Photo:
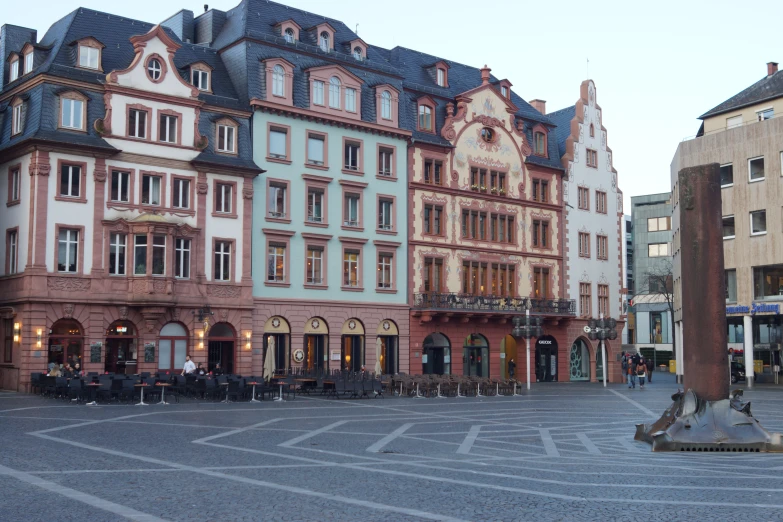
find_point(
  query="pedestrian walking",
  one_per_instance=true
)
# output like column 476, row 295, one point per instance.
column 641, row 372
column 631, row 374
column 626, row 362
column 650, row 368
column 512, row 368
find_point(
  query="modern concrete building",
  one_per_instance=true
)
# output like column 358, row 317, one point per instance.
column 652, row 265
column 628, row 335
column 744, row 135
column 593, row 230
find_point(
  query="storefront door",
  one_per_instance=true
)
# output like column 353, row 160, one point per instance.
column 546, row 359
column 221, row 348
column 436, row 355
column 352, row 353
column 314, row 353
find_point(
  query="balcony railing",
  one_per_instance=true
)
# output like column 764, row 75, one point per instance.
column 492, row 303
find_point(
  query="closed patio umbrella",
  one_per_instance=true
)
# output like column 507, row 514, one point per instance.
column 269, row 360
column 377, row 356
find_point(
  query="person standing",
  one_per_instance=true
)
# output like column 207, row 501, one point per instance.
column 512, row 369
column 641, row 372
column 189, row 366
column 650, row 368
column 625, row 367
column 631, row 373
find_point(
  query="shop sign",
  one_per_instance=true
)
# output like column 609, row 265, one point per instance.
column 755, row 308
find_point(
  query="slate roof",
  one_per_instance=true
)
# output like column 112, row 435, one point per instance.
column 562, row 119
column 768, row 88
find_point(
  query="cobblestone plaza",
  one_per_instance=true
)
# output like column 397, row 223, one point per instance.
column 561, row 452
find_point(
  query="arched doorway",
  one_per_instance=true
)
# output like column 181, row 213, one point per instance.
column 221, row 347
column 436, row 355
column 508, row 351
column 579, row 361
column 546, row 359
column 475, row 356
column 390, row 357
column 352, row 346
column 172, row 347
column 277, row 334
column 66, row 342
column 313, row 357
column 121, row 348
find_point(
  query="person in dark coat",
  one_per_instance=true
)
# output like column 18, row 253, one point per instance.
column 218, row 370
column 512, row 368
column 650, row 368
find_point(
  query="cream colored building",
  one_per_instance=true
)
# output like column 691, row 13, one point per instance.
column 745, row 136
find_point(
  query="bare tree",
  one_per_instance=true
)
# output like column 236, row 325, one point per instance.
column 658, row 282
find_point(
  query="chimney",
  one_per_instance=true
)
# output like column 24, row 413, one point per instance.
column 485, row 75
column 539, row 105
column 772, row 68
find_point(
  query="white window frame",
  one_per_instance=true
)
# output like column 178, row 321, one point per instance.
column 137, row 247
column 315, row 256
column 318, row 92
column 152, row 190
column 761, row 233
column 323, row 41
column 16, row 184
column 222, row 261
column 760, row 114
column 70, row 242
column 88, row 55
column 310, row 159
column 288, row 35
column 76, row 120
column 315, row 199
column 284, row 136
column 386, row 105
column 14, row 72
column 78, row 173
column 17, row 119
column 183, row 193
column 732, row 173
column 122, row 181
column 140, row 129
column 350, row 99
column 167, row 137
column 441, row 77
column 351, row 217
column 353, row 151
column 278, row 81
column 335, row 85
column 276, row 190
column 223, row 198
column 13, row 252
column 386, row 162
column 227, row 142
column 351, row 264
column 504, row 91
column 182, row 258
column 202, row 84
column 358, row 54
column 275, row 251
column 385, row 268
column 385, row 214
column 750, row 173
column 118, row 242
column 154, row 69
column 736, row 118
column 28, row 62
column 735, row 226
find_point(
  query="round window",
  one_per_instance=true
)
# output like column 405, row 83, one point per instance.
column 154, row 69
column 487, row 135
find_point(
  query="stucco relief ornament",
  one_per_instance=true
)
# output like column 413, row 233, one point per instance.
column 459, row 159
column 454, row 175
column 159, row 287
column 123, row 312
column 386, row 325
column 247, row 193
column 202, row 187
column 591, row 94
column 39, row 168
column 67, row 311
column 521, row 190
column 315, row 324
column 352, row 325
column 140, row 287
column 224, row 315
column 68, row 284
column 602, row 280
column 276, row 322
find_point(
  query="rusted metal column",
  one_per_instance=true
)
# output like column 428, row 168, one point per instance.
column 703, row 283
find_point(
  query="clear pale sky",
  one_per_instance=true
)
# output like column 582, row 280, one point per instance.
column 657, row 65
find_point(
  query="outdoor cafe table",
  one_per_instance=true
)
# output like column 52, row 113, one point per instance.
column 281, row 381
column 307, row 384
column 93, row 386
column 253, row 397
column 330, row 386
column 163, row 386
column 142, row 385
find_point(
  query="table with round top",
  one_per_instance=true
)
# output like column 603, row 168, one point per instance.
column 307, row 383
column 253, row 396
column 281, row 382
column 93, row 386
column 142, row 385
column 163, row 386
column 226, row 385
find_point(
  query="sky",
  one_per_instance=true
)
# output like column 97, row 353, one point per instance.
column 657, row 66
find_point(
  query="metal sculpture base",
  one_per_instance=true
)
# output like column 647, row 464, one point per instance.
column 694, row 424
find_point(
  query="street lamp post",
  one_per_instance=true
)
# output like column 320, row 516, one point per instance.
column 603, row 328
column 531, row 327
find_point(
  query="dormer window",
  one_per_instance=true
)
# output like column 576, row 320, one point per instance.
column 17, row 124
column 226, row 136
column 199, row 77
column 441, row 77
column 289, row 35
column 357, row 53
column 154, row 69
column 386, row 105
column 426, row 111
column 14, row 71
column 88, row 57
column 278, row 80
column 539, row 139
column 28, row 62
column 73, row 111
column 504, row 91
column 323, row 41
column 334, row 92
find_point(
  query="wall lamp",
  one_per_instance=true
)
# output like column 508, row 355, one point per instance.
column 17, row 331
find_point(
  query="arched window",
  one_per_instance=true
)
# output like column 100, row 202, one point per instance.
column 386, row 105
column 172, row 347
column 357, row 53
column 539, row 139
column 66, row 342
column 278, row 80
column 592, row 131
column 289, row 35
column 334, row 92
column 323, row 42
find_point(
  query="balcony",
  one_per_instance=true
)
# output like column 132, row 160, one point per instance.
column 492, row 304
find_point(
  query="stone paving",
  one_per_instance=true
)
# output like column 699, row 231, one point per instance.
column 561, row 452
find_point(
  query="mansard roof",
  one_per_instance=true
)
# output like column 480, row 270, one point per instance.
column 768, row 88
column 562, row 118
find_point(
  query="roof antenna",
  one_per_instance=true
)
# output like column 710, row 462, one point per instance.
column 357, row 30
column 206, row 7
